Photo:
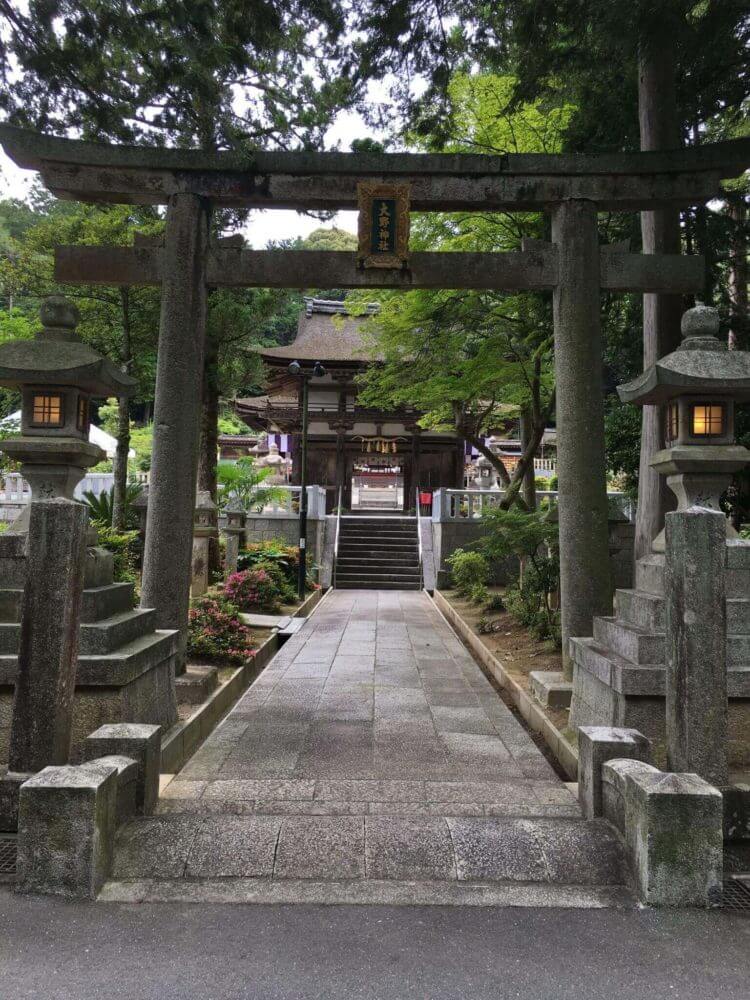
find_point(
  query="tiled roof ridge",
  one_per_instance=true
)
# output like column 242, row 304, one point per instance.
column 334, row 306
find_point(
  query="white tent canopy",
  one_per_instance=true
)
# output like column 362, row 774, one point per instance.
column 96, row 435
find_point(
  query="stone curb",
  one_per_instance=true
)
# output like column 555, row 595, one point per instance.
column 565, row 753
column 185, row 738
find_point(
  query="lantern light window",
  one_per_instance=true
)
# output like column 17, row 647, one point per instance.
column 82, row 423
column 707, row 420
column 47, row 410
column 673, row 421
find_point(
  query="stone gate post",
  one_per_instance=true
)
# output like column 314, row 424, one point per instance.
column 696, row 643
column 179, row 376
column 581, row 469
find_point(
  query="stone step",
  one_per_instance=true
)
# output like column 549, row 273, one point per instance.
column 387, row 562
column 10, row 604
column 462, row 852
column 641, row 647
column 109, row 634
column 97, row 637
column 110, row 669
column 649, row 571
column 351, row 523
column 379, row 584
column 617, row 672
column 381, row 532
column 648, row 611
column 376, row 539
column 738, row 615
column 197, row 683
column 97, row 603
column 372, row 577
column 374, row 545
column 649, row 575
column 102, row 602
column 12, row 560
column 631, row 642
column 130, row 660
column 641, row 608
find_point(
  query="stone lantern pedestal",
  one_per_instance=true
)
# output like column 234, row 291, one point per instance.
column 74, row 653
column 620, row 676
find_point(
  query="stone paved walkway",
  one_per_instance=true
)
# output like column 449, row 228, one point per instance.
column 371, row 761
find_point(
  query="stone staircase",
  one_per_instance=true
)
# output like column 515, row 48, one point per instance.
column 125, row 664
column 378, row 553
column 620, row 679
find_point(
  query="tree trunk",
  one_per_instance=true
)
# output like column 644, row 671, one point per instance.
column 209, row 447
column 529, row 479
column 660, row 129
column 738, row 273
column 120, row 485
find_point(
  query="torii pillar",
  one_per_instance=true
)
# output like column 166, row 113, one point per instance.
column 177, row 406
column 585, row 585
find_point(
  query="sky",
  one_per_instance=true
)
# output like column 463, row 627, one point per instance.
column 262, row 226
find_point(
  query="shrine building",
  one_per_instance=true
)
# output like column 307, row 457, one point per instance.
column 376, row 458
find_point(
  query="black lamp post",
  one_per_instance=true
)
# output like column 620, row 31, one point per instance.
column 318, row 371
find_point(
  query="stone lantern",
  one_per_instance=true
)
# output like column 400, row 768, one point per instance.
column 204, row 529
column 58, row 375
column 700, row 383
column 234, row 531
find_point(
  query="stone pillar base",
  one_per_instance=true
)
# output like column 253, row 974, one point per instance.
column 10, row 786
column 551, row 688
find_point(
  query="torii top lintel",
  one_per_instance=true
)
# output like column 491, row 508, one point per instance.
column 439, row 182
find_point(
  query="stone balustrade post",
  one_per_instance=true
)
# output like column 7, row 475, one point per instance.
column 696, row 643
column 42, row 715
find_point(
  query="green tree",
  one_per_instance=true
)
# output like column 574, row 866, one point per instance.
column 470, row 360
column 120, row 322
column 230, row 74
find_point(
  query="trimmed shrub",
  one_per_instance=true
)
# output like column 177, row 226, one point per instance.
column 286, row 557
column 261, row 588
column 126, row 549
column 216, row 634
column 468, row 569
column 479, row 594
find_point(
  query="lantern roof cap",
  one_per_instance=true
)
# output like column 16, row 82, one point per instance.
column 57, row 356
column 702, row 364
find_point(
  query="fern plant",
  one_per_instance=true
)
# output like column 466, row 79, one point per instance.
column 101, row 506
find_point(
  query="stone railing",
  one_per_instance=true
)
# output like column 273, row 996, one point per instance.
column 15, row 490
column 546, row 465
column 670, row 825
column 285, row 503
column 471, row 505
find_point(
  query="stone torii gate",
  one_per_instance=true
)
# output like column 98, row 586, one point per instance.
column 572, row 189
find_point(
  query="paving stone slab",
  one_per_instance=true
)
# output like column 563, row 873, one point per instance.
column 504, row 850
column 154, row 847
column 404, row 848
column 581, row 853
column 330, row 847
column 371, row 791
column 234, row 847
column 258, row 789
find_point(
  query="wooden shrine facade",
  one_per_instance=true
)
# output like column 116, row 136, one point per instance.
column 344, row 437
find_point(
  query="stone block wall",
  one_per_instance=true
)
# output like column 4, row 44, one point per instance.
column 260, row 528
